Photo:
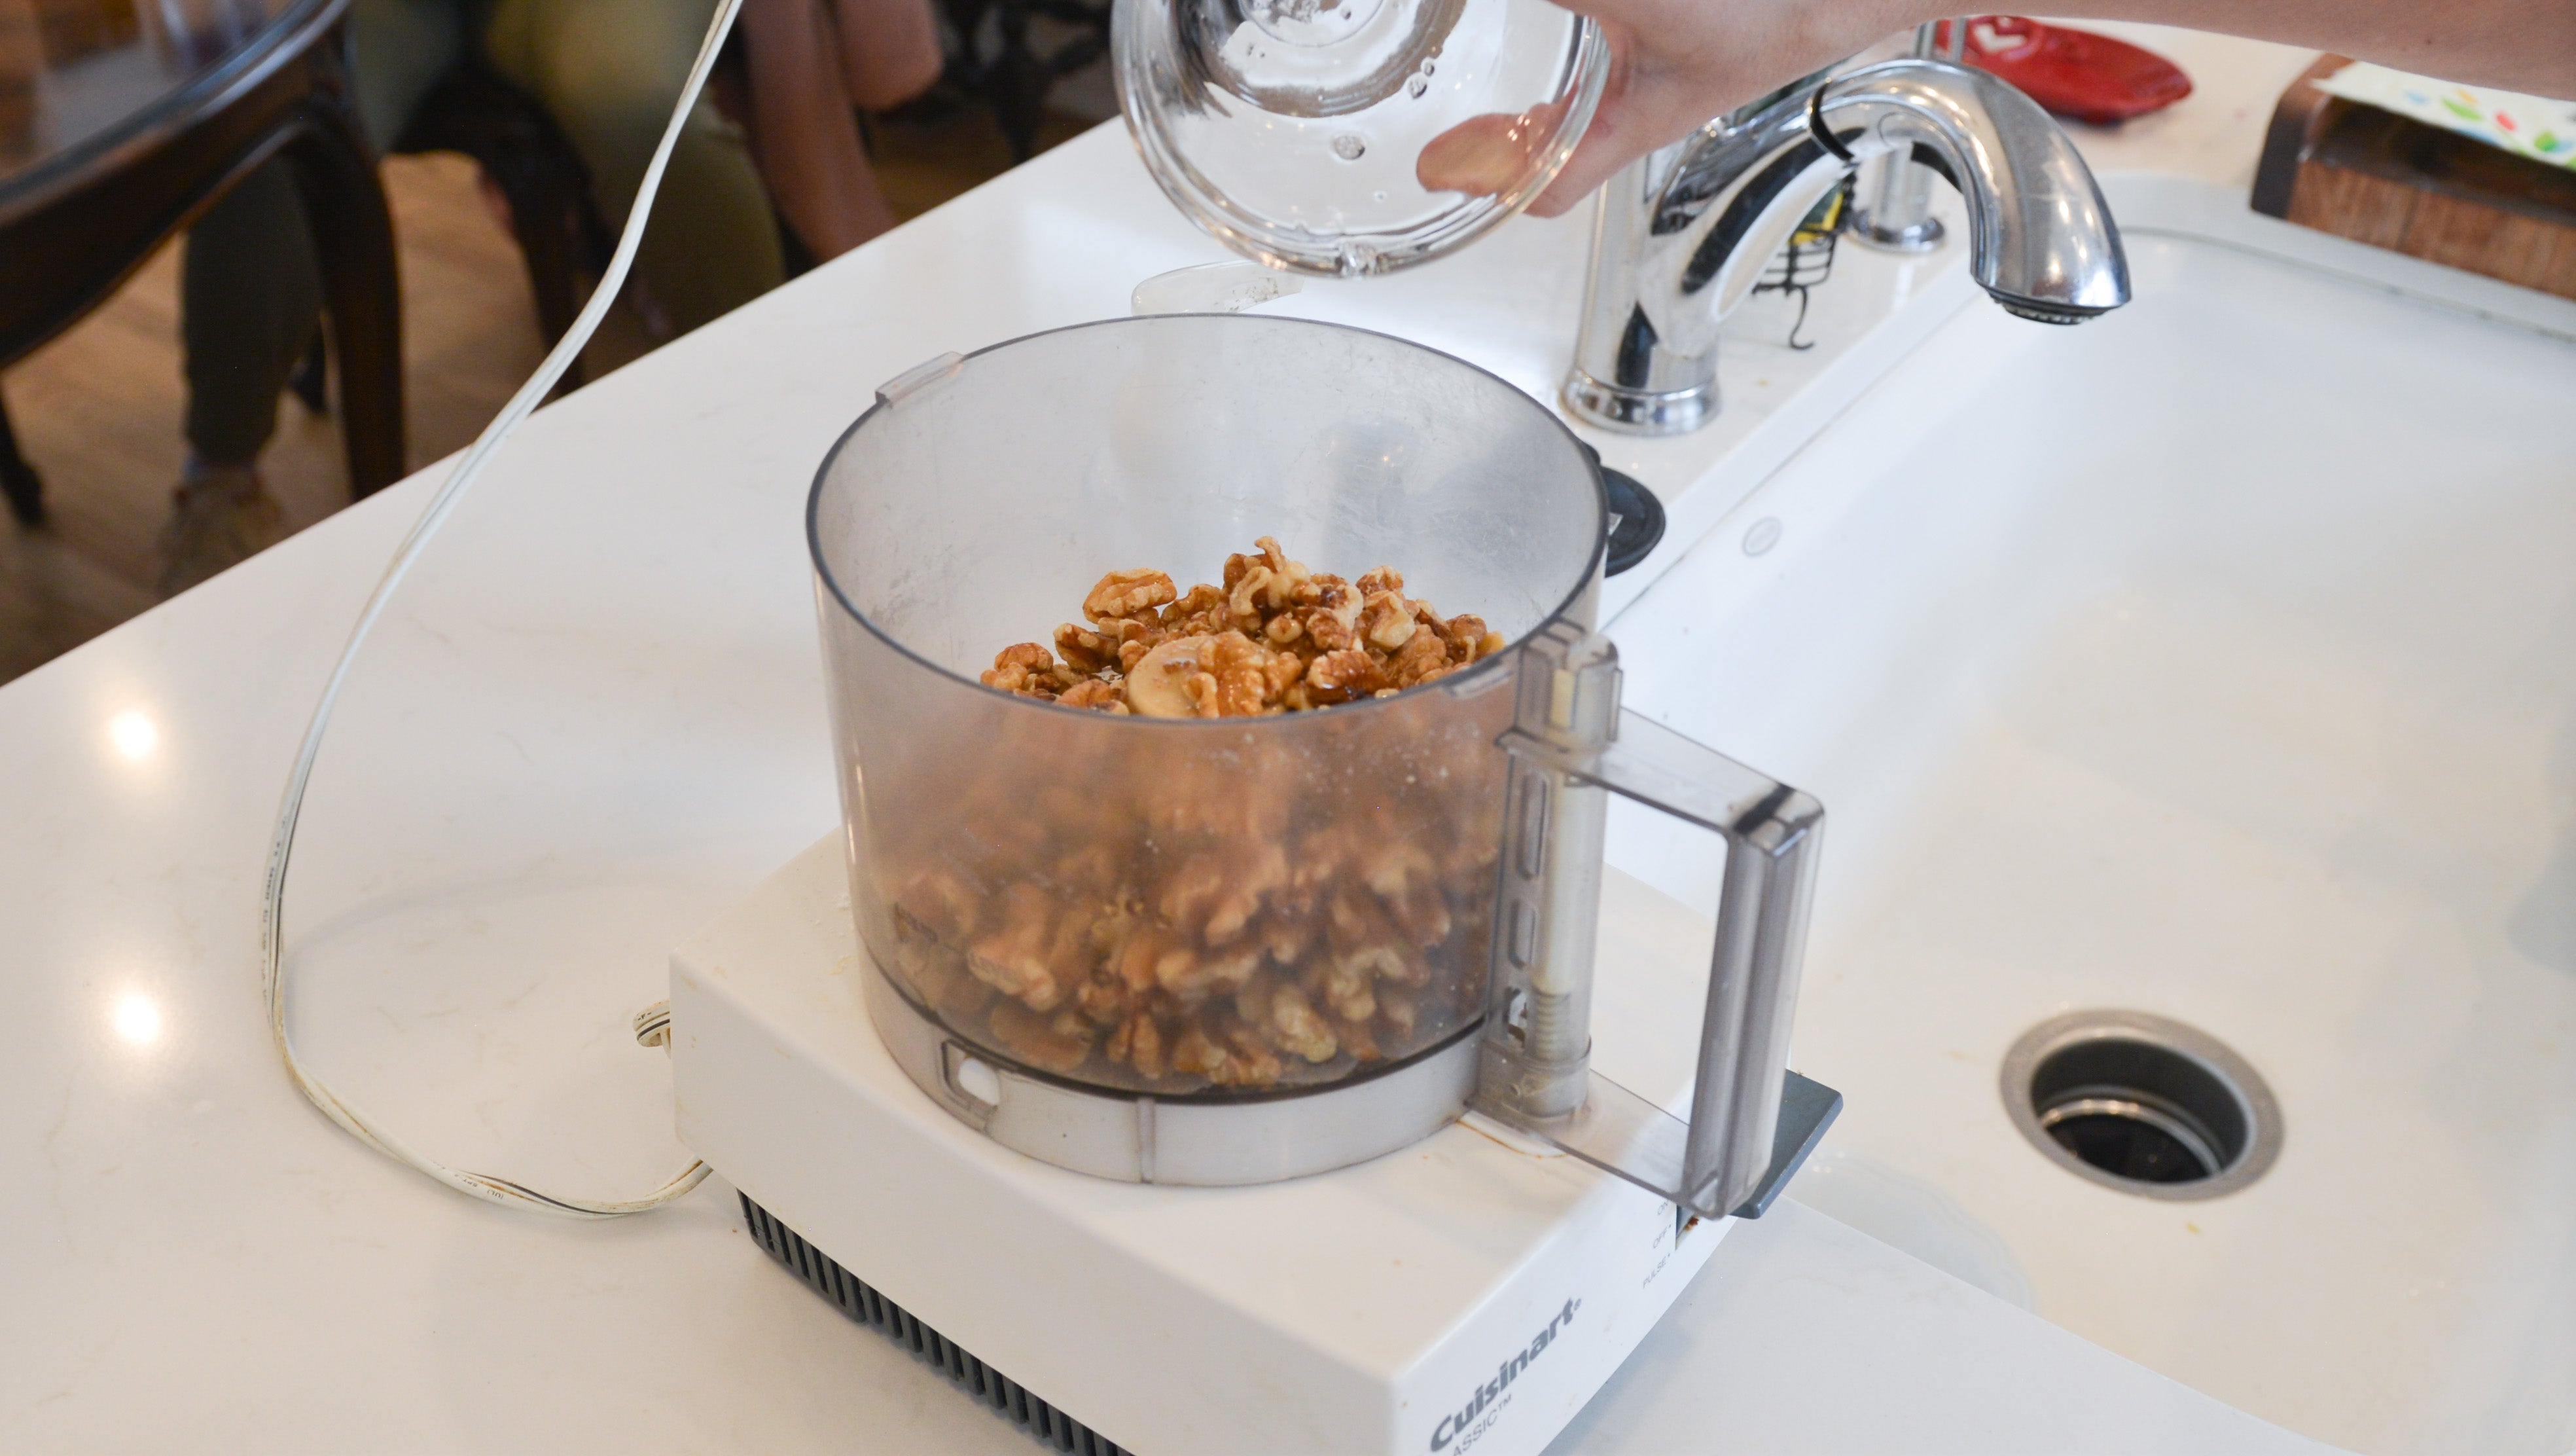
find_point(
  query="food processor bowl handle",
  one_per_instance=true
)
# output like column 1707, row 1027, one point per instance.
column 1570, row 746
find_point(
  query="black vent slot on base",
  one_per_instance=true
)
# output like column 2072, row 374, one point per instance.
column 853, row 1297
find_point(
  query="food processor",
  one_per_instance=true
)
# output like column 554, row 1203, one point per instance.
column 1243, row 1082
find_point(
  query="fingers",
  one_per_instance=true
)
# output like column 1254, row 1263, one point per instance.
column 1627, row 16
column 1606, row 147
column 1485, row 154
column 1641, row 109
column 1674, row 64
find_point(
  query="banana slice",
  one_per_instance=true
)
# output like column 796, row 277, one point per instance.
column 1159, row 684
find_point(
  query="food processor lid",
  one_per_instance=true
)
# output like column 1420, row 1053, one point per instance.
column 1350, row 137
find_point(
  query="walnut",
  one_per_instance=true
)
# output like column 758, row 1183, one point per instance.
column 1339, row 677
column 1360, row 1041
column 1328, row 623
column 1384, row 579
column 1244, row 597
column 1204, row 610
column 1022, row 668
column 1245, row 684
column 1220, row 895
column 1290, row 572
column 941, row 903
column 1385, row 621
column 1347, row 987
column 1251, row 1063
column 1422, row 656
column 1148, row 958
column 1102, row 695
column 1461, row 634
column 1105, row 999
column 1286, row 670
column 1021, row 956
column 1084, row 649
column 1286, row 937
column 1138, row 1042
column 1422, row 913
column 1192, row 976
column 1299, row 1029
column 967, row 999
column 1058, row 1044
column 1392, row 864
column 1197, row 1054
column 1130, row 593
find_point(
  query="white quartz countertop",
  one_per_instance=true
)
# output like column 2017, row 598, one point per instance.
column 595, row 720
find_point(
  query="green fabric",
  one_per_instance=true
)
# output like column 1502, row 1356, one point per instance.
column 606, row 70
column 250, row 291
column 249, row 296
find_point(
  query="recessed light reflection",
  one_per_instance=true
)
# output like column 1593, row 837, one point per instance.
column 134, row 735
column 137, row 1020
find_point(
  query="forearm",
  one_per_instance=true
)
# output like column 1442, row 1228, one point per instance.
column 1678, row 62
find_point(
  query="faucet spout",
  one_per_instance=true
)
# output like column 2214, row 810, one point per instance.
column 1681, row 237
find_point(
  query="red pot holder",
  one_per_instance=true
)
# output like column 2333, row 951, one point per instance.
column 2075, row 73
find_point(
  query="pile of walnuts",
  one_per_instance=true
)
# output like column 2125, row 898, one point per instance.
column 1249, row 908
column 1275, row 638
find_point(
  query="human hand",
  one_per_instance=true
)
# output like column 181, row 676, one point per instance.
column 1676, row 63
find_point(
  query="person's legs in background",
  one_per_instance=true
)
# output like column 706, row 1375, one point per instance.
column 250, row 297
column 609, row 71
column 814, row 64
column 889, row 50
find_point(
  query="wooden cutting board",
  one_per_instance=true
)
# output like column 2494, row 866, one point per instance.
column 2378, row 178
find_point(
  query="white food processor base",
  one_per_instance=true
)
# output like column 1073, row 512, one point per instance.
column 1468, row 1292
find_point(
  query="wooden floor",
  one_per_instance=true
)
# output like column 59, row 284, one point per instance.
column 98, row 410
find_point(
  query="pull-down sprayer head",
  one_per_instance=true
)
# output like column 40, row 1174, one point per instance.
column 1683, row 235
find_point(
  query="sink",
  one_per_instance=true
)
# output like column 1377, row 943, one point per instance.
column 2215, row 661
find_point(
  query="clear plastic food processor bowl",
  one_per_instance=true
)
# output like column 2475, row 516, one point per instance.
column 1086, row 903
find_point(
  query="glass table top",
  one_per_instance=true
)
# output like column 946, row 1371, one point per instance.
column 80, row 77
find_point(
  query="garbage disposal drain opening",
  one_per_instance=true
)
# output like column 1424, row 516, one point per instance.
column 2143, row 1104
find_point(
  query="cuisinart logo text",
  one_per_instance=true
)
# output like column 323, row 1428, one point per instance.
column 1463, row 1426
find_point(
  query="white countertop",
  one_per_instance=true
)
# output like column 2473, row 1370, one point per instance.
column 594, row 721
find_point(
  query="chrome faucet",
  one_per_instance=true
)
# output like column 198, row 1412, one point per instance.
column 1682, row 236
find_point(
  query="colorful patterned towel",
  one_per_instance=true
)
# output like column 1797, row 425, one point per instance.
column 2527, row 126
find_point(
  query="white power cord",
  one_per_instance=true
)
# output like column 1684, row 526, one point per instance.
column 273, row 908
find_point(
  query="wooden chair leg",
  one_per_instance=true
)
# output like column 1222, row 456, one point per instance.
column 25, row 489
column 353, row 236
column 542, row 214
column 552, row 215
column 1018, row 84
column 312, row 379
